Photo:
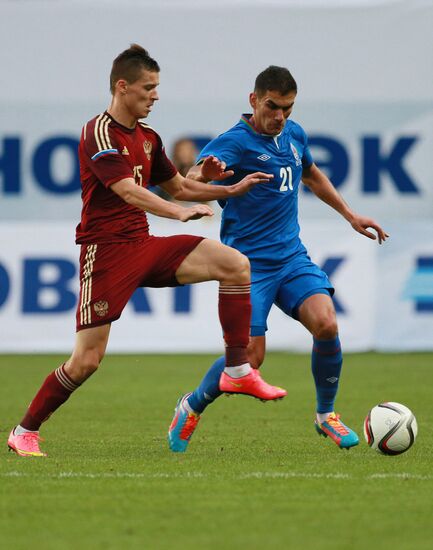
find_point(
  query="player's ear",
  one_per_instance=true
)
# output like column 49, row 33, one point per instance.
column 253, row 100
column 121, row 86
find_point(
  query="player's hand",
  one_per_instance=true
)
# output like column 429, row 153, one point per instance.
column 248, row 182
column 195, row 212
column 213, row 169
column 362, row 224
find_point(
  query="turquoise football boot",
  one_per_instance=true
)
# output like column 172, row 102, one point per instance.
column 341, row 434
column 182, row 426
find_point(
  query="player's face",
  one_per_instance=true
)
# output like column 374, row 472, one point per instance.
column 140, row 96
column 271, row 111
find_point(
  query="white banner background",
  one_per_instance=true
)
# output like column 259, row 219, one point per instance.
column 398, row 324
column 166, row 331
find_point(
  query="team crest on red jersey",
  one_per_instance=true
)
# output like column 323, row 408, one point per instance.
column 147, row 146
column 101, row 308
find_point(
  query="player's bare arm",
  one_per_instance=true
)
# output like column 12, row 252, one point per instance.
column 187, row 189
column 140, row 197
column 209, row 169
column 322, row 187
column 195, row 173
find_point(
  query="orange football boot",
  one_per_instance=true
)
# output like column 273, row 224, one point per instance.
column 251, row 384
column 25, row 444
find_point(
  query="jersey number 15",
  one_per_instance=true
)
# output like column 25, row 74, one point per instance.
column 137, row 175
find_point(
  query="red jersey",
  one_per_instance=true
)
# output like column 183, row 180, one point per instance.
column 109, row 152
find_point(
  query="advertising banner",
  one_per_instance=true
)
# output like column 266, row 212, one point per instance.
column 404, row 309
column 39, row 290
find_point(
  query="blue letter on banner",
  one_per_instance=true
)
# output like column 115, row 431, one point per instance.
column 34, row 285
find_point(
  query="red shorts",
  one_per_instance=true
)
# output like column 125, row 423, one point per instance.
column 110, row 273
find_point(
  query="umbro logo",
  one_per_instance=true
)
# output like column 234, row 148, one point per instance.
column 332, row 380
column 264, row 157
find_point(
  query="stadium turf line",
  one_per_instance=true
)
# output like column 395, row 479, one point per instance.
column 255, row 476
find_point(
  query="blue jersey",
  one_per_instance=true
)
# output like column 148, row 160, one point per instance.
column 263, row 223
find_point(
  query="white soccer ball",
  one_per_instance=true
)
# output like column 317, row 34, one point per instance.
column 390, row 428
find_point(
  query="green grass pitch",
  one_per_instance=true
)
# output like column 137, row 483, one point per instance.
column 256, row 476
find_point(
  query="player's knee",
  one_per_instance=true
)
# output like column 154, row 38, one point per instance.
column 326, row 328
column 237, row 269
column 84, row 365
column 92, row 360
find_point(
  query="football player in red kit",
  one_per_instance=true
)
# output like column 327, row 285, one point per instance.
column 119, row 157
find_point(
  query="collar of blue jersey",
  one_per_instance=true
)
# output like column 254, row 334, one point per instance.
column 246, row 119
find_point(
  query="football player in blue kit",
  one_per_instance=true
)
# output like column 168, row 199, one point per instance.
column 263, row 225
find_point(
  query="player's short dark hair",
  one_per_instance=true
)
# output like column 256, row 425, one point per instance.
column 129, row 64
column 275, row 79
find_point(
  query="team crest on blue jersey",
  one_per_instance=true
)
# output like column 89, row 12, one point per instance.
column 296, row 155
column 264, row 157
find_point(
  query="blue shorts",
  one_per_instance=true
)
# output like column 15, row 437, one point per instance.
column 287, row 288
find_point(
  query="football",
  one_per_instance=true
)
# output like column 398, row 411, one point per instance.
column 390, row 428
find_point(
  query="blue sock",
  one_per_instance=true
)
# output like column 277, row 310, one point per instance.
column 326, row 362
column 208, row 390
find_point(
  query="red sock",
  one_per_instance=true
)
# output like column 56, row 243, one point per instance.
column 234, row 309
column 55, row 390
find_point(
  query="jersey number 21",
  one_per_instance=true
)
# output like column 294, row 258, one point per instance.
column 286, row 179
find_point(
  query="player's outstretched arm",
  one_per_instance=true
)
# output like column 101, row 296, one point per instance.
column 210, row 169
column 362, row 224
column 149, row 202
column 186, row 189
column 322, row 187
